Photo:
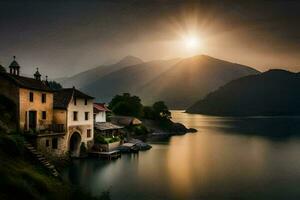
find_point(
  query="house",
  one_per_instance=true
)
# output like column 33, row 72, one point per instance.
column 74, row 109
column 32, row 97
column 106, row 129
column 57, row 122
column 100, row 112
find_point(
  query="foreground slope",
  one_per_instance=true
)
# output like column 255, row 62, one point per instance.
column 275, row 92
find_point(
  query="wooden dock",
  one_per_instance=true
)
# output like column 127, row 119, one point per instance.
column 111, row 155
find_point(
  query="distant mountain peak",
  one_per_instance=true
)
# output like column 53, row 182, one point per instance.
column 130, row 60
column 278, row 71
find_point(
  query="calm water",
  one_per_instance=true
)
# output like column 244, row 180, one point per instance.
column 227, row 159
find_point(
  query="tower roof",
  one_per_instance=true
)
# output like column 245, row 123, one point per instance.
column 14, row 64
column 37, row 73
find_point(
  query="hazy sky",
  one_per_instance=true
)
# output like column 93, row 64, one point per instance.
column 66, row 37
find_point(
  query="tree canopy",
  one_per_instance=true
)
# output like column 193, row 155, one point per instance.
column 158, row 111
column 54, row 85
column 126, row 105
column 161, row 111
column 131, row 106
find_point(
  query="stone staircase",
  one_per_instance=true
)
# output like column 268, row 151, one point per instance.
column 41, row 159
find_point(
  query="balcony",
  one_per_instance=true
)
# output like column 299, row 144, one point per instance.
column 51, row 129
column 56, row 128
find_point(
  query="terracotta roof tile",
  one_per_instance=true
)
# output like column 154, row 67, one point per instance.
column 100, row 107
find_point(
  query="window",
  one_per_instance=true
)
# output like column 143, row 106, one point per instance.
column 86, row 115
column 44, row 115
column 75, row 101
column 88, row 133
column 43, row 98
column 47, row 143
column 54, row 143
column 31, row 96
column 75, row 116
column 85, row 101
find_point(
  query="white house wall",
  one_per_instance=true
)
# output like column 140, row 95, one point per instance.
column 81, row 124
column 100, row 117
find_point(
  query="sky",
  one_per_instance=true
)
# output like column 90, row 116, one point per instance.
column 64, row 37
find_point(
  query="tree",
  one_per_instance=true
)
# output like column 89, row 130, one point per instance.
column 148, row 112
column 126, row 105
column 54, row 85
column 161, row 111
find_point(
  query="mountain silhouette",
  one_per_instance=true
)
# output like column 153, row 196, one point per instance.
column 192, row 78
column 178, row 82
column 86, row 77
column 275, row 92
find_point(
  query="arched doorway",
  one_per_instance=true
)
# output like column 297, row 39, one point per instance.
column 74, row 145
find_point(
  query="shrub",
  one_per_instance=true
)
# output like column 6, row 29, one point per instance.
column 114, row 139
column 100, row 139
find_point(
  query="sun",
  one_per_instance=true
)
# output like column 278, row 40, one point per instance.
column 192, row 42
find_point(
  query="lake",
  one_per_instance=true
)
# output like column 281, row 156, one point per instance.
column 228, row 158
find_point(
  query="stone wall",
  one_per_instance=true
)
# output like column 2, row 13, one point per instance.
column 82, row 130
column 111, row 146
column 44, row 144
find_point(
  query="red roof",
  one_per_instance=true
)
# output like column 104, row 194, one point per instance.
column 100, row 107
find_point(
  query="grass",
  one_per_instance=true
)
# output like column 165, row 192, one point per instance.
column 22, row 178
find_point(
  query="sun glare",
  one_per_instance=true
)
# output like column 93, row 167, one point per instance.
column 191, row 42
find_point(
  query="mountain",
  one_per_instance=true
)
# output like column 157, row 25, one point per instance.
column 128, row 79
column 275, row 92
column 190, row 79
column 178, row 82
column 84, row 78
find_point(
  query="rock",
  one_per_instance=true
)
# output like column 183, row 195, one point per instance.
column 192, row 130
column 143, row 146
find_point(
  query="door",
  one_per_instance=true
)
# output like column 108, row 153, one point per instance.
column 32, row 120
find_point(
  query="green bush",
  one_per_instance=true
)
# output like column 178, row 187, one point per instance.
column 100, row 139
column 106, row 140
column 114, row 139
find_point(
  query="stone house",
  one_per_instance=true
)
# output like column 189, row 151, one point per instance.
column 74, row 109
column 32, row 97
column 56, row 121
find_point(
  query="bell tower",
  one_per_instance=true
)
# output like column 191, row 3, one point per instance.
column 37, row 75
column 14, row 67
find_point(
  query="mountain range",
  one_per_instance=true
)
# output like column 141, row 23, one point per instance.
column 275, row 92
column 82, row 79
column 178, row 82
